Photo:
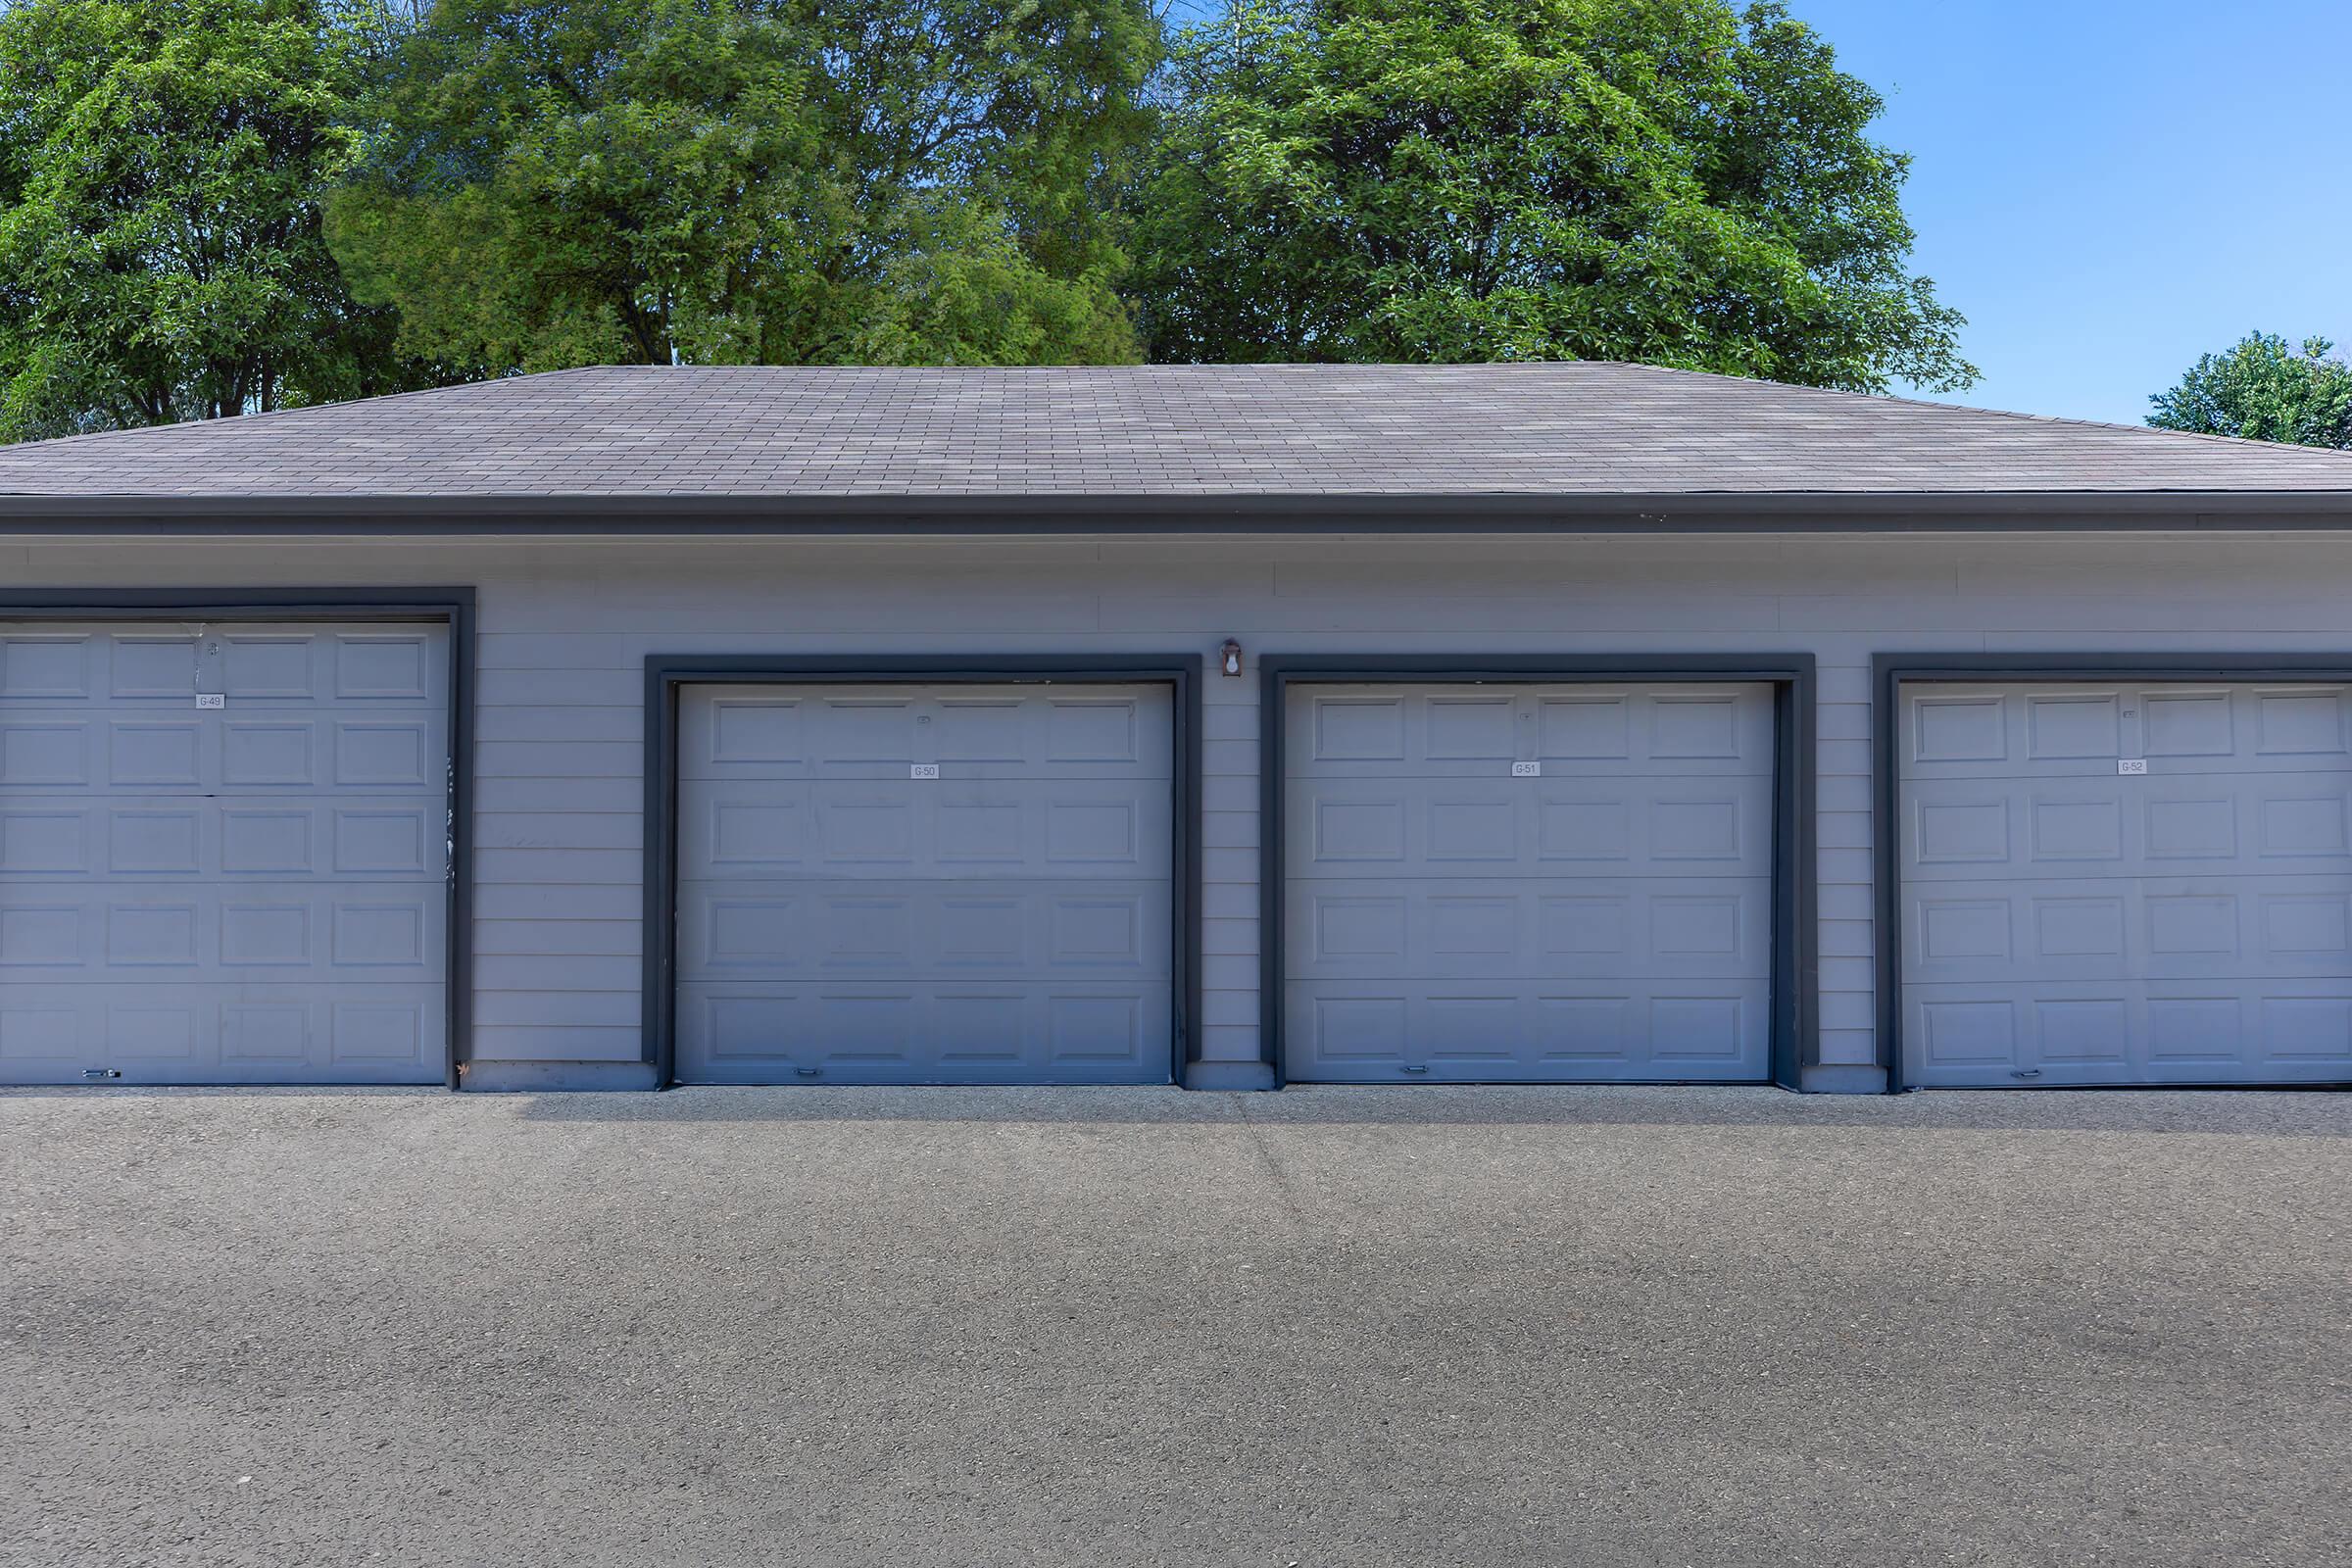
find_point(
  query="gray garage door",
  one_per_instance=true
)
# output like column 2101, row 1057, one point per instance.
column 2117, row 884
column 1530, row 883
column 224, row 852
column 896, row 884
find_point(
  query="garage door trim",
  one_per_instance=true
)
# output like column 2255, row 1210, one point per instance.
column 1892, row 673
column 452, row 606
column 1795, row 971
column 666, row 673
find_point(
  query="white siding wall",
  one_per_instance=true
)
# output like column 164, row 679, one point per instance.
column 564, row 628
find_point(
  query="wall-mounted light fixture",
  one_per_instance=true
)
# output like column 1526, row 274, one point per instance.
column 1231, row 655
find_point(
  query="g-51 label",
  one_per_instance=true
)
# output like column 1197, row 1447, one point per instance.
column 1527, row 770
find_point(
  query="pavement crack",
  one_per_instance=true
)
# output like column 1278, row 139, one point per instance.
column 1277, row 1177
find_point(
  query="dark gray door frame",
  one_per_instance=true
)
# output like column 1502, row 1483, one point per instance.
column 1892, row 673
column 454, row 606
column 665, row 673
column 1795, row 970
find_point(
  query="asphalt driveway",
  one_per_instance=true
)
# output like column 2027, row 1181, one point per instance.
column 1329, row 1327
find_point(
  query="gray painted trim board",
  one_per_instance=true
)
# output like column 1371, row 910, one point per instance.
column 1108, row 512
column 1795, row 970
column 1891, row 673
column 666, row 673
column 454, row 605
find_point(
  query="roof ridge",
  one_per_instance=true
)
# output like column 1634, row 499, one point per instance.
column 1536, row 427
column 2151, row 432
column 243, row 421
column 2292, row 452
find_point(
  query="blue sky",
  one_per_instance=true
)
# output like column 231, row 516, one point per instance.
column 2108, row 188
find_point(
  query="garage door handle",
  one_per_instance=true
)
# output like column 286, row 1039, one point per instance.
column 2026, row 1072
column 1416, row 1069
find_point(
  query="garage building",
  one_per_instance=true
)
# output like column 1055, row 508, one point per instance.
column 1227, row 727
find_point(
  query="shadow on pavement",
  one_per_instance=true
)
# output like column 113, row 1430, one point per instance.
column 2222, row 1112
column 2225, row 1112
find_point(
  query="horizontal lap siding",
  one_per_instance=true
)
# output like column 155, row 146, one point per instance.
column 559, row 799
column 564, row 628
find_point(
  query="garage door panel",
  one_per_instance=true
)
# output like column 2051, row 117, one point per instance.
column 214, row 753
column 891, row 828
column 2065, row 922
column 878, row 732
column 254, row 892
column 1464, row 732
column 2266, row 824
column 1489, row 882
column 2126, row 1033
column 1552, row 827
column 177, row 836
column 214, row 1033
column 242, row 748
column 1963, row 730
column 796, row 930
column 2113, row 928
column 925, row 1032
column 166, row 933
column 1612, row 1028
column 301, row 664
column 1502, row 927
column 1009, row 920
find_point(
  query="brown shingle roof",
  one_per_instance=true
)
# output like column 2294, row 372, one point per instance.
column 1565, row 429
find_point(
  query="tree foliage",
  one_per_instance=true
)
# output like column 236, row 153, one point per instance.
column 1659, row 181
column 162, row 164
column 2264, row 389
column 752, row 180
column 211, row 206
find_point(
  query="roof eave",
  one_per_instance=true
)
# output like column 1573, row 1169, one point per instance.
column 1778, row 512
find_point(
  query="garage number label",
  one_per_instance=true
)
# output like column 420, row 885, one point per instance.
column 2132, row 766
column 211, row 700
column 1527, row 770
column 923, row 770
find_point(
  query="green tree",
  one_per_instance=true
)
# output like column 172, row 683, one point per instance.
column 2264, row 389
column 1660, row 180
column 727, row 181
column 161, row 249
